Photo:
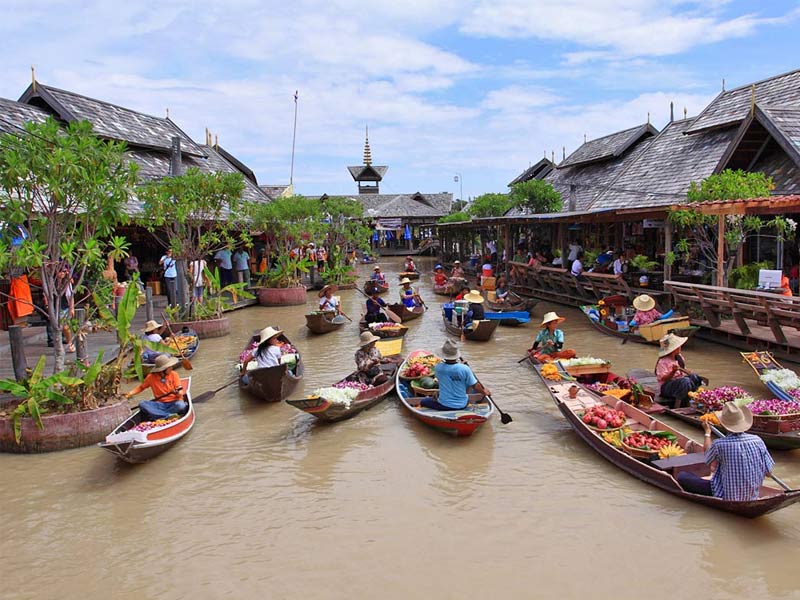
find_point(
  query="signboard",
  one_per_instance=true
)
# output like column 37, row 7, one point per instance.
column 769, row 279
column 393, row 223
column 653, row 224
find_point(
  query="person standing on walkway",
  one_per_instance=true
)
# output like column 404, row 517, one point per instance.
column 225, row 264
column 197, row 275
column 167, row 263
column 241, row 262
column 131, row 264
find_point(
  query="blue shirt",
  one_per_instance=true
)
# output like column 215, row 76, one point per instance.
column 374, row 305
column 454, row 381
column 168, row 263
column 242, row 260
column 224, row 258
column 742, row 463
column 557, row 337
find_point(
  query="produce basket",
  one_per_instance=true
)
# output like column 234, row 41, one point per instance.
column 658, row 329
column 646, row 454
column 421, row 391
column 639, row 453
column 776, row 423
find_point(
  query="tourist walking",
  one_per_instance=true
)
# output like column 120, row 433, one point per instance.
column 225, row 264
column 167, row 264
column 198, row 278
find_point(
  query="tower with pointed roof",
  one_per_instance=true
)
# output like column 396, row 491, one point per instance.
column 368, row 176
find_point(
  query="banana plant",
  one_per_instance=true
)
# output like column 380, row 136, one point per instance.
column 215, row 303
column 36, row 392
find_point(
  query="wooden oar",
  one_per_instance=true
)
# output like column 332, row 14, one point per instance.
column 205, row 396
column 185, row 362
column 505, row 418
column 718, row 433
column 392, row 315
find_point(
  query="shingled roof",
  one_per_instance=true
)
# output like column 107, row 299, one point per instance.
column 370, row 172
column 732, row 106
column 14, row 115
column 405, row 205
column 607, row 147
column 661, row 174
column 537, row 171
column 109, row 120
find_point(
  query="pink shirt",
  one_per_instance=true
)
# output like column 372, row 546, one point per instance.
column 646, row 317
column 664, row 369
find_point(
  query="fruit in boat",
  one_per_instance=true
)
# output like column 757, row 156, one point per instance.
column 603, row 417
column 671, row 449
column 550, row 371
column 428, row 383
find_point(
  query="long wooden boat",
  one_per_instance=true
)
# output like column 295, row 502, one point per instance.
column 460, row 423
column 677, row 325
column 762, row 362
column 324, row 322
column 524, row 305
column 189, row 343
column 441, row 290
column 405, row 313
column 451, row 288
column 371, row 286
column 132, row 446
column 272, row 384
column 476, row 331
column 660, row 473
column 410, row 274
column 509, row 319
column 393, row 331
column 329, row 411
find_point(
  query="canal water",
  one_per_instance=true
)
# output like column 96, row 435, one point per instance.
column 260, row 501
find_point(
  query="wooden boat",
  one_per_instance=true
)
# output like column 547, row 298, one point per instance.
column 139, row 446
column 476, row 331
column 459, row 423
column 272, row 384
column 646, row 334
column 405, row 313
column 509, row 319
column 394, row 330
column 324, row 322
column 328, row 411
column 370, row 286
column 451, row 288
column 761, row 362
column 522, row 305
column 441, row 290
column 410, row 274
column 189, row 343
column 660, row 473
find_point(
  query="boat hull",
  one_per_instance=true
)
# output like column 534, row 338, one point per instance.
column 370, row 287
column 272, row 384
column 383, row 333
column 405, row 313
column 482, row 332
column 318, row 322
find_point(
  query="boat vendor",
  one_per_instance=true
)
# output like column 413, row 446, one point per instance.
column 455, row 381
column 457, row 272
column 327, row 301
column 739, row 462
column 501, row 293
column 168, row 392
column 550, row 339
column 268, row 352
column 646, row 311
column 675, row 379
column 377, row 275
column 462, row 292
column 475, row 311
column 152, row 333
column 408, row 296
column 439, row 278
column 369, row 359
column 410, row 267
column 375, row 304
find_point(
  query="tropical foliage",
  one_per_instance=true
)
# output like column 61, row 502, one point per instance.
column 490, row 205
column 536, row 196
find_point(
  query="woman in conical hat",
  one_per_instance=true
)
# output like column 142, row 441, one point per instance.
column 550, row 339
column 675, row 379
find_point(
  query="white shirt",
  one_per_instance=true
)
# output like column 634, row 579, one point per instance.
column 270, row 358
column 328, row 303
column 618, row 267
column 573, row 251
column 577, row 267
column 491, row 246
column 197, row 267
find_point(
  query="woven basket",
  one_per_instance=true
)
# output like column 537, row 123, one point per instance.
column 639, row 453
column 420, row 391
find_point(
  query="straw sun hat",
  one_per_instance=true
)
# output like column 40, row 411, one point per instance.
column 405, row 280
column 644, row 303
column 474, row 297
column 669, row 343
column 164, row 362
column 367, row 338
column 376, row 268
column 735, row 419
column 550, row 317
column 450, row 351
column 151, row 326
column 267, row 334
column 330, row 287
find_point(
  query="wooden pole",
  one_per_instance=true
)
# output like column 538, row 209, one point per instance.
column 721, row 251
column 80, row 341
column 667, row 249
column 507, row 249
column 148, row 303
column 18, row 360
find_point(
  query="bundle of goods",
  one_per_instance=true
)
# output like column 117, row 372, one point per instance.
column 148, row 425
column 425, row 386
column 712, row 400
column 387, row 325
column 180, row 343
column 353, row 385
column 336, row 395
column 775, row 416
column 582, row 361
column 420, row 366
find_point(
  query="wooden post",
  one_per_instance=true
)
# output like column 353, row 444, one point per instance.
column 667, row 249
column 721, row 251
column 563, row 240
column 507, row 249
column 80, row 339
column 18, row 360
column 148, row 303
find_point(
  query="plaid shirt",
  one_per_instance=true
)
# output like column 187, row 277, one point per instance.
column 742, row 463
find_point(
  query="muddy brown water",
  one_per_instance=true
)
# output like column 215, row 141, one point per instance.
column 260, row 501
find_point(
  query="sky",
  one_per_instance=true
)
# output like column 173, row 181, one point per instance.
column 478, row 89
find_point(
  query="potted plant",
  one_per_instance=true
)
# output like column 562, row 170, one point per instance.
column 280, row 285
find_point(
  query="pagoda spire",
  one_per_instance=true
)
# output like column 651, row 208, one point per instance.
column 367, row 152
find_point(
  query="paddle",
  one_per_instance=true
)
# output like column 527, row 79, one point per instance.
column 505, row 418
column 718, row 433
column 185, row 362
column 206, row 396
column 392, row 315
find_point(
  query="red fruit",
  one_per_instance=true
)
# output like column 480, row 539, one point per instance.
column 602, row 424
column 587, row 418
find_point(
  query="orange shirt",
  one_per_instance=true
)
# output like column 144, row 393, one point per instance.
column 785, row 284
column 161, row 383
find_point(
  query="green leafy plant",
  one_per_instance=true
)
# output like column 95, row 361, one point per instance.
column 589, row 256
column 642, row 263
column 456, row 217
column 286, row 272
column 215, row 303
column 536, row 196
column 339, row 275
column 36, row 392
column 490, row 205
column 746, row 276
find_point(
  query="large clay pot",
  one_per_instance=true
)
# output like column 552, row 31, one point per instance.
column 61, row 432
column 293, row 296
column 207, row 328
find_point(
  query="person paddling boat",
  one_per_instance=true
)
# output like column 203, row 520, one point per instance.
column 549, row 342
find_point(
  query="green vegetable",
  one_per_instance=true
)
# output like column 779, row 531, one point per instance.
column 428, row 383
